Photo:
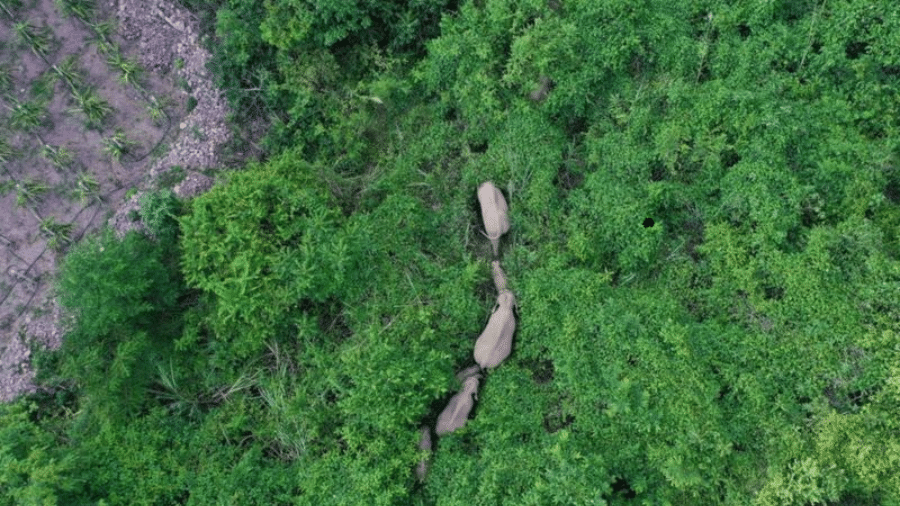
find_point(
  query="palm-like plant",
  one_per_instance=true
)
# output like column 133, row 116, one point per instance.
column 103, row 30
column 117, row 145
column 7, row 152
column 6, row 78
column 59, row 156
column 38, row 38
column 30, row 192
column 43, row 87
column 130, row 69
column 59, row 235
column 156, row 109
column 87, row 188
column 10, row 6
column 27, row 116
column 68, row 70
column 89, row 103
column 81, row 9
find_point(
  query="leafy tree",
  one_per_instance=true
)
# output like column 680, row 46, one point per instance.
column 120, row 293
column 269, row 246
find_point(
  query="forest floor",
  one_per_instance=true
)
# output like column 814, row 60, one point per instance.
column 64, row 175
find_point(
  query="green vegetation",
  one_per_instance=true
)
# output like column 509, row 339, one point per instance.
column 59, row 235
column 705, row 205
column 91, row 105
column 156, row 109
column 7, row 152
column 117, row 145
column 27, row 116
column 61, row 157
column 30, row 192
column 39, row 38
column 129, row 70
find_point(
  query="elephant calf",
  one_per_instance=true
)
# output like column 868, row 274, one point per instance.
column 457, row 411
column 495, row 342
column 499, row 277
column 424, row 444
column 494, row 212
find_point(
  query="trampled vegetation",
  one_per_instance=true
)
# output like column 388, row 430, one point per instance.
column 705, row 202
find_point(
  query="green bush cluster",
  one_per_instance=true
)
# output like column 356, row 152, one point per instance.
column 704, row 207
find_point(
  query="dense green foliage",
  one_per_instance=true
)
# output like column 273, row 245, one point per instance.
column 704, row 250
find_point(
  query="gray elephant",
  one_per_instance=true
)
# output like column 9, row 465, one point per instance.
column 494, row 212
column 424, row 444
column 495, row 342
column 457, row 411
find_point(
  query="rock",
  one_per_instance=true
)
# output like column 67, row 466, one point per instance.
column 194, row 184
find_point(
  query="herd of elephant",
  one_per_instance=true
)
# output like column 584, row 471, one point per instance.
column 495, row 342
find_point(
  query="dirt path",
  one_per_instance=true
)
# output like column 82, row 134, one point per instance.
column 175, row 148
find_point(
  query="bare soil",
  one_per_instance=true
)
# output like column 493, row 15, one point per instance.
column 164, row 39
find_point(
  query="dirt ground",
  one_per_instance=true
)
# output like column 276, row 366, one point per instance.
column 47, row 202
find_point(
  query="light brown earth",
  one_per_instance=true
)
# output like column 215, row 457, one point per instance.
column 164, row 38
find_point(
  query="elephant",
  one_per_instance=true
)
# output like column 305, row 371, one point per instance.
column 457, row 411
column 499, row 277
column 495, row 342
column 494, row 212
column 424, row 444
